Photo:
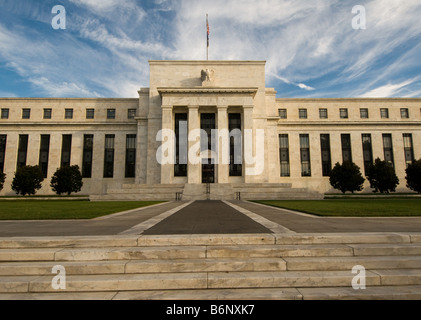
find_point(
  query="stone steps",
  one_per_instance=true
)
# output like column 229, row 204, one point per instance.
column 235, row 267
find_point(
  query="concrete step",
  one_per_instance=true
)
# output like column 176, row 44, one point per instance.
column 211, row 280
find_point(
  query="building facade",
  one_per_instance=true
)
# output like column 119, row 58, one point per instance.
column 206, row 129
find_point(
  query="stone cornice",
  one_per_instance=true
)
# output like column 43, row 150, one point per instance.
column 209, row 90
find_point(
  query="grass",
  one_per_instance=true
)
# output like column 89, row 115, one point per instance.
column 392, row 207
column 62, row 209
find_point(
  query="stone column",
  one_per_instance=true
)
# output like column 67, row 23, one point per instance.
column 194, row 166
column 223, row 145
column 167, row 169
column 141, row 150
column 248, row 125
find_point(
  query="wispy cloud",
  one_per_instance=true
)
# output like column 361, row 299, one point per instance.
column 388, row 90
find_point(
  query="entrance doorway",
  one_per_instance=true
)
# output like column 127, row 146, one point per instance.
column 208, row 173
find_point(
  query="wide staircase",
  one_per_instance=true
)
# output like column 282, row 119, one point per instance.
column 191, row 192
column 227, row 267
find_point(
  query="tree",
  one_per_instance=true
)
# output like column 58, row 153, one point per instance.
column 382, row 176
column 347, row 177
column 27, row 180
column 413, row 176
column 2, row 179
column 67, row 180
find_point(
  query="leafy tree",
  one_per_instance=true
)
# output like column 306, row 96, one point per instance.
column 27, row 180
column 413, row 176
column 382, row 176
column 67, row 180
column 2, row 179
column 347, row 177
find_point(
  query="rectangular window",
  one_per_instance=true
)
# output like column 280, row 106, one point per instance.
column 323, row 113
column 409, row 148
column 22, row 150
column 109, row 156
column 388, row 149
column 5, row 113
column 131, row 156
column 90, row 114
column 111, row 114
column 302, row 113
column 3, row 140
column 284, row 155
column 88, row 150
column 44, row 152
column 207, row 124
column 131, row 114
column 384, row 113
column 48, row 113
column 343, row 113
column 364, row 113
column 236, row 154
column 305, row 155
column 68, row 114
column 346, row 147
column 181, row 145
column 404, row 113
column 367, row 151
column 283, row 113
column 26, row 113
column 66, row 150
column 326, row 155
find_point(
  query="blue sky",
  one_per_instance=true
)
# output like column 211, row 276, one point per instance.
column 310, row 47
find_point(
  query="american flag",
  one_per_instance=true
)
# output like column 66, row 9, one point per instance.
column 207, row 27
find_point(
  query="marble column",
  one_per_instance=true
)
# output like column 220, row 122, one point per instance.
column 223, row 145
column 167, row 168
column 249, row 144
column 194, row 163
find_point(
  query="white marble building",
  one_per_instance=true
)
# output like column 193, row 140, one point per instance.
column 287, row 148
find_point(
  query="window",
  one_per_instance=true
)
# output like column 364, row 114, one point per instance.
column 131, row 156
column 323, row 113
column 26, row 113
column 367, row 151
column 283, row 113
column 388, row 148
column 236, row 154
column 404, row 113
column 48, row 113
column 181, row 147
column 44, row 154
column 109, row 156
column 3, row 140
column 131, row 114
column 384, row 113
column 302, row 113
column 5, row 113
column 207, row 125
column 346, row 147
column 88, row 148
column 343, row 113
column 409, row 148
column 364, row 113
column 90, row 114
column 68, row 114
column 284, row 155
column 111, row 114
column 22, row 150
column 305, row 155
column 326, row 155
column 66, row 150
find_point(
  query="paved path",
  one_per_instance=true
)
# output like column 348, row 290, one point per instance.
column 206, row 217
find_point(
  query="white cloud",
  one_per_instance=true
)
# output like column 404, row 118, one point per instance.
column 388, row 90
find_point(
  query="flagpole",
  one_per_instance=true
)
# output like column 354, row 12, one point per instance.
column 207, row 37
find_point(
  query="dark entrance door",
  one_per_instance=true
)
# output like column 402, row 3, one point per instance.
column 208, row 173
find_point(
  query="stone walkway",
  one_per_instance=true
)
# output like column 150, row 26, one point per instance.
column 206, row 217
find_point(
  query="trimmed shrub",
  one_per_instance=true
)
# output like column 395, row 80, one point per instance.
column 67, row 180
column 347, row 177
column 27, row 180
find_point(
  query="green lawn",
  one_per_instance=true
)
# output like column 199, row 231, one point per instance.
column 400, row 207
column 60, row 210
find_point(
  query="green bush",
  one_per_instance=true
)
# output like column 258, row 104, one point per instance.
column 347, row 177
column 67, row 180
column 413, row 176
column 2, row 179
column 382, row 176
column 27, row 180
